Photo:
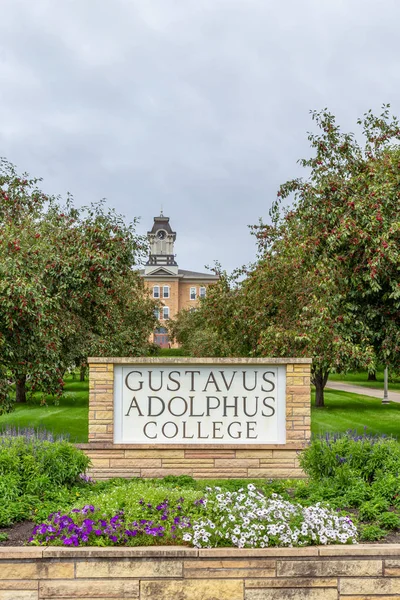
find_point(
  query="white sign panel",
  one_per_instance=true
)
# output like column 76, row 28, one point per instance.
column 199, row 404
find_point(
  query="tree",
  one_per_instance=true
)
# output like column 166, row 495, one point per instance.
column 346, row 217
column 66, row 284
column 326, row 283
column 195, row 335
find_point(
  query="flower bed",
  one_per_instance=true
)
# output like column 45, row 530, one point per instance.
column 245, row 519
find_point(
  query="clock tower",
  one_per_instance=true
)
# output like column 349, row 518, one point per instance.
column 161, row 239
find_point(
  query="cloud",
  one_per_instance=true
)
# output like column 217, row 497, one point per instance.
column 200, row 106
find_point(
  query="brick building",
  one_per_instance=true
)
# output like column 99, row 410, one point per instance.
column 175, row 288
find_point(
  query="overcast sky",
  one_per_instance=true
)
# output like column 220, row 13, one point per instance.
column 201, row 106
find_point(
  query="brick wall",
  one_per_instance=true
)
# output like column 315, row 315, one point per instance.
column 199, row 461
column 184, row 293
column 360, row 572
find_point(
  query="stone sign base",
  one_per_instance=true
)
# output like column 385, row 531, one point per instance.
column 268, row 462
column 359, row 572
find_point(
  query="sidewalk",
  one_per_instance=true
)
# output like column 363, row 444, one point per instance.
column 342, row 386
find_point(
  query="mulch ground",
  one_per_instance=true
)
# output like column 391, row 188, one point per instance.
column 18, row 534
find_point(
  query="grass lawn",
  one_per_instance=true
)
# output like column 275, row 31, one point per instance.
column 360, row 378
column 69, row 417
column 344, row 411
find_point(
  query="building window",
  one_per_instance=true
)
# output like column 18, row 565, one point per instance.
column 157, row 313
column 202, row 292
column 166, row 291
column 193, row 293
column 165, row 312
column 156, row 291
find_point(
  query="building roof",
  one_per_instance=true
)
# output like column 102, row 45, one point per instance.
column 196, row 275
column 182, row 274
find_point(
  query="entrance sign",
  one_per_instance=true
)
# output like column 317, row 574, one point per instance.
column 215, row 403
column 210, row 418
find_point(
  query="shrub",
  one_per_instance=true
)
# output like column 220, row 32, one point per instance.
column 372, row 533
column 29, row 457
column 33, row 472
column 389, row 520
column 348, row 455
column 179, row 481
column 370, row 510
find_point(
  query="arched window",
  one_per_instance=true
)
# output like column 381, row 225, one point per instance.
column 193, row 293
column 156, row 291
column 165, row 312
column 166, row 291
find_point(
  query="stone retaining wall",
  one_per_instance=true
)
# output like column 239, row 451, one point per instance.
column 362, row 572
column 199, row 461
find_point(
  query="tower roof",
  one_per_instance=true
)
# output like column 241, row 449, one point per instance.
column 162, row 222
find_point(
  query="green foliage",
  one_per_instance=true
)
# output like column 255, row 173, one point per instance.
column 170, row 351
column 3, row 537
column 369, row 511
column 359, row 472
column 343, row 455
column 185, row 481
column 34, row 474
column 389, row 520
column 372, row 533
column 139, row 499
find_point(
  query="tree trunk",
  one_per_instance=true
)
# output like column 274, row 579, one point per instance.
column 20, row 395
column 372, row 376
column 319, row 380
column 82, row 373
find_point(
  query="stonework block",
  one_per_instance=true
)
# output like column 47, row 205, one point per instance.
column 210, row 454
column 18, row 594
column 36, row 570
column 89, row 588
column 219, row 473
column 292, row 593
column 105, row 415
column 300, row 582
column 275, row 473
column 285, row 453
column 364, row 587
column 217, row 589
column 238, row 462
column 100, row 462
column 181, row 462
column 18, row 585
column 151, row 473
column 129, row 568
column 254, row 453
column 329, row 568
column 125, row 463
column 155, row 453
column 103, row 376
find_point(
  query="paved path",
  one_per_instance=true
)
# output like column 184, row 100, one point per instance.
column 342, row 386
